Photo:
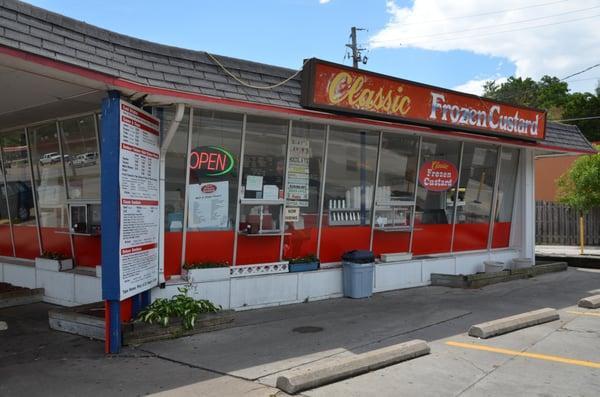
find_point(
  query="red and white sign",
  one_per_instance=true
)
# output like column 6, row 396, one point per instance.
column 139, row 190
column 328, row 86
column 438, row 175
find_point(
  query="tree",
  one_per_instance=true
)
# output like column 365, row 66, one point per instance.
column 552, row 95
column 579, row 187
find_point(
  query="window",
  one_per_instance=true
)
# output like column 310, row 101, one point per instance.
column 395, row 195
column 20, row 194
column 474, row 199
column 438, row 175
column 261, row 216
column 509, row 165
column 82, row 157
column 48, row 175
column 349, row 190
column 175, row 172
column 303, row 183
column 213, row 186
column 6, row 248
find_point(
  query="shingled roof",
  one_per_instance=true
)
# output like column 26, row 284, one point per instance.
column 41, row 32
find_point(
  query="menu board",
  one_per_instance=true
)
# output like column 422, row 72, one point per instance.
column 139, row 193
column 208, row 205
column 298, row 171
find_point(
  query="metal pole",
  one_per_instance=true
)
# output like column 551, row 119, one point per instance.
column 322, row 190
column 185, row 191
column 10, row 225
column 374, row 199
column 494, row 199
column 239, row 192
column 284, row 181
column 460, row 161
column 414, row 210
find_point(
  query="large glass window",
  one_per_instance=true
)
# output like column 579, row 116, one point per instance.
column 395, row 195
column 474, row 199
column 304, row 174
column 175, row 185
column 6, row 248
column 213, row 186
column 48, row 175
column 20, row 193
column 438, row 174
column 509, row 165
column 349, row 191
column 80, row 149
column 261, row 216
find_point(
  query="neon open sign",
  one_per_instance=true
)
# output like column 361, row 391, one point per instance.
column 211, row 161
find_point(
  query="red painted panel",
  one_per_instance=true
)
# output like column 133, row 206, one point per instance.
column 431, row 239
column 390, row 242
column 471, row 236
column 213, row 246
column 5, row 241
column 88, row 250
column 26, row 241
column 56, row 242
column 126, row 310
column 335, row 240
column 300, row 243
column 173, row 253
column 501, row 236
column 253, row 250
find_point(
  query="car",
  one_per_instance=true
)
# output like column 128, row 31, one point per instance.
column 85, row 159
column 50, row 158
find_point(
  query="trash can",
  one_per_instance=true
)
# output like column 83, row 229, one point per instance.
column 357, row 269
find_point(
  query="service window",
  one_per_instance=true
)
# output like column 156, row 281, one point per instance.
column 509, row 165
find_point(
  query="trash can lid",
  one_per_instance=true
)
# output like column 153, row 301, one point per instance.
column 358, row 256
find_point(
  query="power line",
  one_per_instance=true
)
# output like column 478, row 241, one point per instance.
column 580, row 72
column 493, row 26
column 579, row 118
column 512, row 30
column 484, row 13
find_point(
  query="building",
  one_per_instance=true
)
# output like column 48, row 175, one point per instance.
column 245, row 163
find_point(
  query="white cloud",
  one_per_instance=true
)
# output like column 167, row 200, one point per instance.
column 557, row 48
column 324, row 1
column 475, row 86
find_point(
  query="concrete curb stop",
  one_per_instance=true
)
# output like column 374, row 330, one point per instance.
column 591, row 302
column 513, row 323
column 335, row 369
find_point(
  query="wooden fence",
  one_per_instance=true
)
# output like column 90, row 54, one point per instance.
column 558, row 224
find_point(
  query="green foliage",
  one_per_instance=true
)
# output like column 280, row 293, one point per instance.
column 304, row 259
column 579, row 187
column 552, row 95
column 182, row 306
column 57, row 256
column 204, row 265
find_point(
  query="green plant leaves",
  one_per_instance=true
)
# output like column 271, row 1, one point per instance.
column 182, row 306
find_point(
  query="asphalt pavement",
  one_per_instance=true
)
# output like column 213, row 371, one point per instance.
column 553, row 359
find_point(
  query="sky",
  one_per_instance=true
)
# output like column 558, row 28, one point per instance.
column 447, row 43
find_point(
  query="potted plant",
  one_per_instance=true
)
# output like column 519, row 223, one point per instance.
column 198, row 272
column 304, row 263
column 53, row 261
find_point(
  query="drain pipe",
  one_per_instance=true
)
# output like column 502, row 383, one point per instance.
column 166, row 142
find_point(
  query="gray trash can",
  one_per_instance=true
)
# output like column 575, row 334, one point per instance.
column 357, row 269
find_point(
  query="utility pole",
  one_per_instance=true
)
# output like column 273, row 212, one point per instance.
column 356, row 52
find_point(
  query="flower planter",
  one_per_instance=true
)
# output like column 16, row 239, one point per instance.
column 304, row 266
column 204, row 275
column 53, row 265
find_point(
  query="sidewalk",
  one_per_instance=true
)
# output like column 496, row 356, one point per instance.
column 566, row 250
column 245, row 360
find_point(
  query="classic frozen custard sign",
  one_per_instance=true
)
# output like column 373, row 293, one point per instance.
column 438, row 175
column 332, row 87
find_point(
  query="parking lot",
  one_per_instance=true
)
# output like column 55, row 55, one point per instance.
column 552, row 359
